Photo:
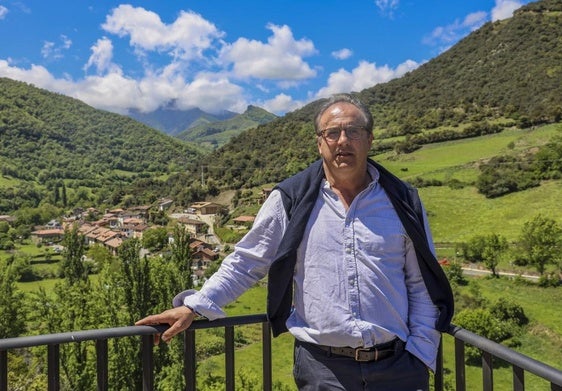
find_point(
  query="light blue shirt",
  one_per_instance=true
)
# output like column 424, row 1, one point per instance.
column 357, row 281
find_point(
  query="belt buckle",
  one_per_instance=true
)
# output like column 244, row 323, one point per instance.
column 367, row 350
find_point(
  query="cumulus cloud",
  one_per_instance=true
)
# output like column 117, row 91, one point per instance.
column 365, row 75
column 342, row 54
column 504, row 9
column 172, row 56
column 3, row 12
column 101, row 57
column 281, row 103
column 281, row 58
column 187, row 37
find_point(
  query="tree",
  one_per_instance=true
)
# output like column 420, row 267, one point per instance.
column 155, row 238
column 12, row 314
column 72, row 264
column 494, row 246
column 540, row 242
column 181, row 255
column 136, row 280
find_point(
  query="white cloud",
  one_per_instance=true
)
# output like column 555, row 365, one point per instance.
column 365, row 75
column 281, row 104
column 3, row 12
column 281, row 58
column 102, row 54
column 212, row 94
column 474, row 20
column 47, row 49
column 387, row 6
column 342, row 54
column 51, row 50
column 445, row 36
column 504, row 9
column 186, row 38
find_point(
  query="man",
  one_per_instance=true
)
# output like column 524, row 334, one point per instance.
column 352, row 243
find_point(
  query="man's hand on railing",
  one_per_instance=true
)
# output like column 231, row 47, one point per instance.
column 179, row 319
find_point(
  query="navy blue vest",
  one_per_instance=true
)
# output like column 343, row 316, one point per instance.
column 299, row 194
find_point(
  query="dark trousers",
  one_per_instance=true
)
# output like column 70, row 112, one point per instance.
column 316, row 370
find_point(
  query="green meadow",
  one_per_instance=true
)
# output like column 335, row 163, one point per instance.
column 455, row 215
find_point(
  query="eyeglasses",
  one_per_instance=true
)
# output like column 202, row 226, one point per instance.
column 351, row 132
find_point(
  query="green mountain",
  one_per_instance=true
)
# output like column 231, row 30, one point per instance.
column 212, row 134
column 173, row 121
column 49, row 141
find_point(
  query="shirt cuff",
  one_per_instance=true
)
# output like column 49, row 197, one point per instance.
column 199, row 303
column 423, row 349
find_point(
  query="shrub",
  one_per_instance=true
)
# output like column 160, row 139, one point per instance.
column 508, row 311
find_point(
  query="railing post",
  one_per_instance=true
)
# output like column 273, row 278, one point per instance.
column 147, row 363
column 438, row 375
column 460, row 375
column 229, row 357
column 266, row 343
column 53, row 367
column 189, row 364
column 487, row 372
column 518, row 379
column 101, row 364
column 3, row 369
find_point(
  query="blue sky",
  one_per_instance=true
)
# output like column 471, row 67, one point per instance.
column 226, row 54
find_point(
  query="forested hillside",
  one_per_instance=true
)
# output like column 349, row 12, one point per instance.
column 49, row 141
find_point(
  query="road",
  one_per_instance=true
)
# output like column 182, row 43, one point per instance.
column 482, row 272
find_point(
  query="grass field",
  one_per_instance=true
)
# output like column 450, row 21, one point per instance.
column 456, row 215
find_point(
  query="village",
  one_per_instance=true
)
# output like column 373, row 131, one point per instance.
column 110, row 228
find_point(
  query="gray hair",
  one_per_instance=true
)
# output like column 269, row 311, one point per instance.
column 348, row 98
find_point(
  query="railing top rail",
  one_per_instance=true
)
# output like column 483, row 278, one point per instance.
column 118, row 332
column 529, row 364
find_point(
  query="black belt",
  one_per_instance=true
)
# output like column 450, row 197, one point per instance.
column 373, row 353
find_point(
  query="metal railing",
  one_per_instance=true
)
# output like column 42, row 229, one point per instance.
column 490, row 350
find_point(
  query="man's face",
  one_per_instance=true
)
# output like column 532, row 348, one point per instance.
column 349, row 149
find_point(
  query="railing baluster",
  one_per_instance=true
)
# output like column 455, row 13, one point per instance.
column 3, row 369
column 189, row 354
column 266, row 343
column 438, row 375
column 229, row 357
column 518, row 379
column 101, row 362
column 53, row 367
column 460, row 374
column 147, row 363
column 487, row 372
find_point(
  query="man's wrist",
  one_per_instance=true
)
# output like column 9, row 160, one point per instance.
column 197, row 314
